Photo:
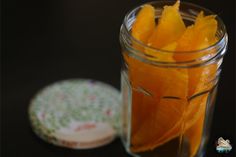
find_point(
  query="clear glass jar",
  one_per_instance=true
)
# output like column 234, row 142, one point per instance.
column 167, row 106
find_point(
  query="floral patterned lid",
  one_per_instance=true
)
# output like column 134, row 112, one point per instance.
column 76, row 114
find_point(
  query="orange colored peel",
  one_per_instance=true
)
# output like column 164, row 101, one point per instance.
column 170, row 27
column 194, row 133
column 144, row 23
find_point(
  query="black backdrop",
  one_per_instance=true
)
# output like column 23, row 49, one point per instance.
column 46, row 41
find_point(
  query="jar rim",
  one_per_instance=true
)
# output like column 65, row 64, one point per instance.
column 212, row 46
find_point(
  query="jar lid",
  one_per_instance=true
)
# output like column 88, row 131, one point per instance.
column 76, row 114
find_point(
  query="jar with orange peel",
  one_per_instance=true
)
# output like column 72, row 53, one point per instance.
column 172, row 54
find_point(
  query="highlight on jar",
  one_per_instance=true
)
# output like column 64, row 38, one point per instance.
column 172, row 54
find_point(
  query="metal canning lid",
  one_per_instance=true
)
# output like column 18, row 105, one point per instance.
column 77, row 114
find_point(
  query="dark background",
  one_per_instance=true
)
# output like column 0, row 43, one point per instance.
column 47, row 41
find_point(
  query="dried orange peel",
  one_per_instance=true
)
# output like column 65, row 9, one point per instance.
column 169, row 28
column 144, row 24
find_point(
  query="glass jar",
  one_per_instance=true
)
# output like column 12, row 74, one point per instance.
column 167, row 106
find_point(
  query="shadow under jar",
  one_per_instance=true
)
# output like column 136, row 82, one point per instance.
column 167, row 106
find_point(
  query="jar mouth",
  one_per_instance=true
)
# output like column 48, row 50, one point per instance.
column 222, row 35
